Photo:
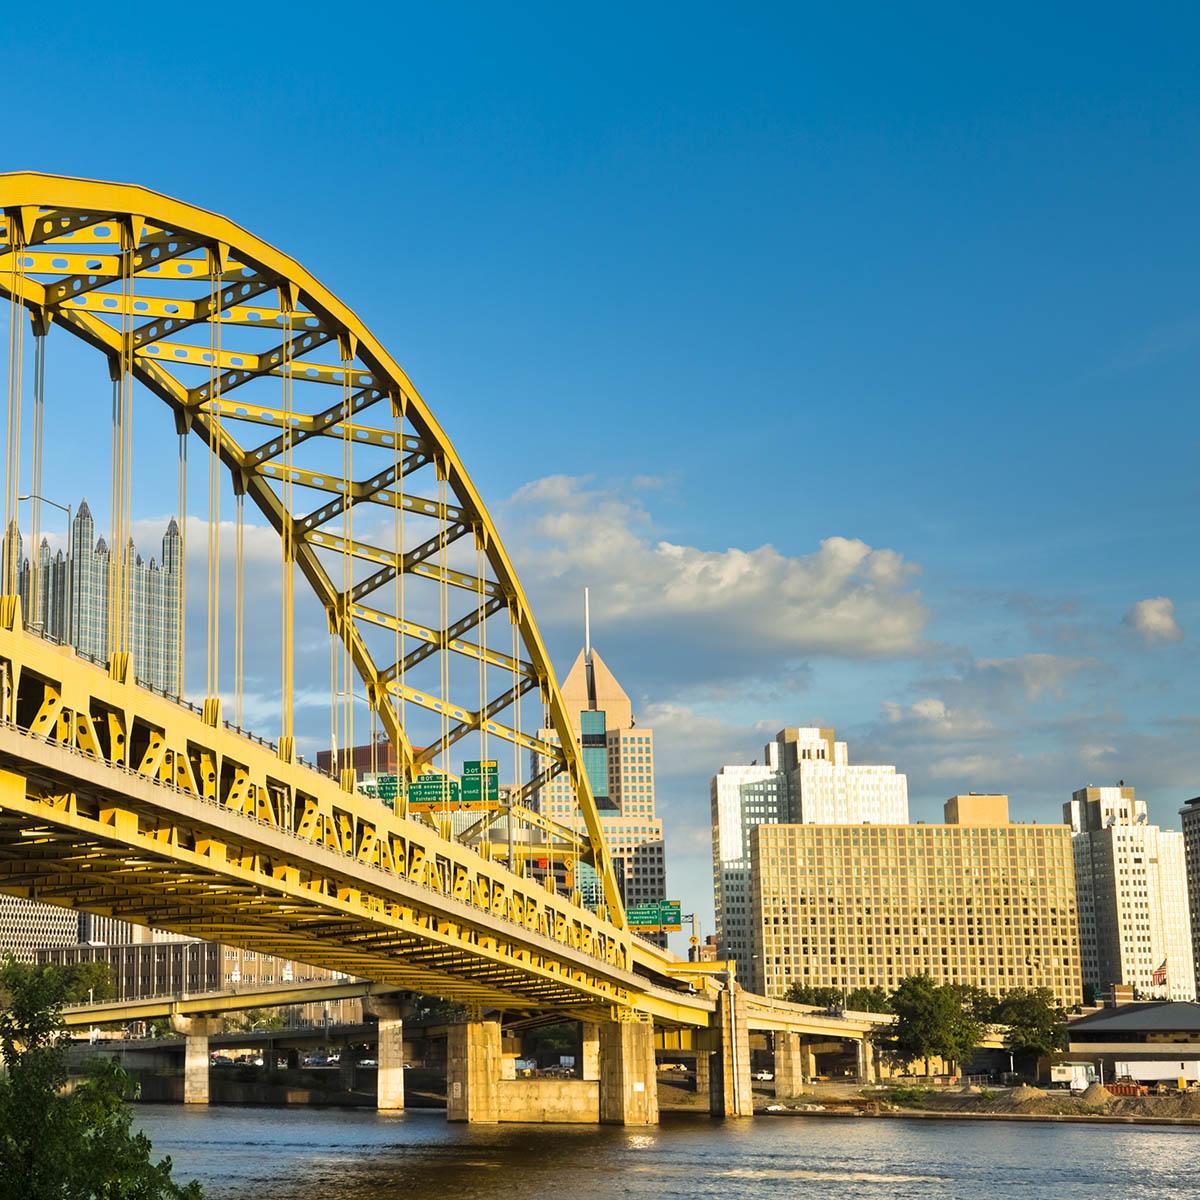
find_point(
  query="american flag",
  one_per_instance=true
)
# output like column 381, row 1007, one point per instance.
column 1159, row 978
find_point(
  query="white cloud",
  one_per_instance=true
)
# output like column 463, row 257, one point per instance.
column 727, row 607
column 931, row 716
column 1154, row 620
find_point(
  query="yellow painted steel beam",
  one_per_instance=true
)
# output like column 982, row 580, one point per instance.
column 179, row 230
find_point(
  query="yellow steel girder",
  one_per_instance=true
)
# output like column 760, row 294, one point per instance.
column 67, row 284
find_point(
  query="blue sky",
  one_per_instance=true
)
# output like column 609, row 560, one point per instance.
column 697, row 282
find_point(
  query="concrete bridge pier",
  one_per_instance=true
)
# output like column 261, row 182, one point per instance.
column 730, row 1093
column 789, row 1065
column 196, row 1032
column 473, row 1067
column 868, row 1071
column 628, row 1075
column 389, row 1053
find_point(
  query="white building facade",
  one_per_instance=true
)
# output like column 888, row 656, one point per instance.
column 1132, row 887
column 806, row 777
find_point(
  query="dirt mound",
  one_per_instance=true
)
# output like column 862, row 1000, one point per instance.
column 1096, row 1095
column 1025, row 1093
column 969, row 1089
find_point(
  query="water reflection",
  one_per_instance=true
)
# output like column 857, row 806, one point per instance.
column 305, row 1154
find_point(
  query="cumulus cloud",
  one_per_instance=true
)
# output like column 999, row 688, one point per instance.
column 730, row 608
column 933, row 717
column 1154, row 620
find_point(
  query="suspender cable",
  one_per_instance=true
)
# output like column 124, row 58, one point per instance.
column 16, row 388
column 517, row 724
column 36, row 600
column 182, row 504
column 288, row 610
column 443, row 626
column 239, row 605
column 347, row 555
column 213, row 615
column 483, row 693
column 398, row 577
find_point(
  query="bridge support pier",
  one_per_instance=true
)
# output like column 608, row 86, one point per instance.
column 196, row 1032
column 628, row 1075
column 789, row 1065
column 473, row 1053
column 730, row 1094
column 389, row 1053
column 589, row 1050
column 703, row 1073
column 867, row 1071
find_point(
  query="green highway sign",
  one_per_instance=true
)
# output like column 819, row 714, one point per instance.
column 662, row 914
column 480, row 782
column 432, row 790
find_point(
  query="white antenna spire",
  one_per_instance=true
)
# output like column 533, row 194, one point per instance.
column 587, row 628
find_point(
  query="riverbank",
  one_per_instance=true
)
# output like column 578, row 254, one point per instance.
column 1095, row 1106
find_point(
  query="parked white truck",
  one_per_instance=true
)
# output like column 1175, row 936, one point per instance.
column 1161, row 1070
column 1076, row 1075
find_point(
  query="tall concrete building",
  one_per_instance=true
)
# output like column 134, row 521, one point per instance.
column 977, row 900
column 618, row 756
column 72, row 599
column 70, row 603
column 805, row 777
column 1131, row 878
column 1190, row 817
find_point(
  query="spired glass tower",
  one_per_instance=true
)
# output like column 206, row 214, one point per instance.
column 72, row 599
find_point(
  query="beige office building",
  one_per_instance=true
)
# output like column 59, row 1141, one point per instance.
column 1131, row 877
column 618, row 756
column 978, row 900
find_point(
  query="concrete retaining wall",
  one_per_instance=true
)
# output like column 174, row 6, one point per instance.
column 561, row 1101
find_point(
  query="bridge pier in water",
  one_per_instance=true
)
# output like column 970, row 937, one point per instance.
column 196, row 1032
column 791, row 1057
column 628, row 1074
column 389, row 1054
column 730, row 1086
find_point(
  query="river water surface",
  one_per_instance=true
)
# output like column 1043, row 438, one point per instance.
column 335, row 1154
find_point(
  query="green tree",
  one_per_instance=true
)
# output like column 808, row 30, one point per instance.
column 804, row 993
column 869, row 999
column 59, row 1145
column 258, row 1018
column 931, row 1021
column 1036, row 1023
column 979, row 1003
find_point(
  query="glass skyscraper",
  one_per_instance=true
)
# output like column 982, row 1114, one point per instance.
column 72, row 599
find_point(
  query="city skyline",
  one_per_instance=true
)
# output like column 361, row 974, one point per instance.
column 941, row 297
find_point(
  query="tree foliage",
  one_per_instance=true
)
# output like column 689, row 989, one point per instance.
column 57, row 1144
column 1036, row 1022
column 932, row 1021
column 257, row 1018
column 869, row 999
column 824, row 997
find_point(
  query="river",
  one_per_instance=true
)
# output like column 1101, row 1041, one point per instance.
column 336, row 1154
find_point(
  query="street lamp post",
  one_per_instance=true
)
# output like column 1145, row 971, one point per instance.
column 69, row 510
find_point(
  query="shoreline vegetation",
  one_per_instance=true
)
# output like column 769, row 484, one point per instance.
column 1096, row 1105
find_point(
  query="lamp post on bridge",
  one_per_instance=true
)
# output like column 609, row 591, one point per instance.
column 69, row 510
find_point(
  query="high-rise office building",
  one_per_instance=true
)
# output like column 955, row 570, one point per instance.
column 618, row 756
column 806, row 776
column 1131, row 878
column 70, row 603
column 977, row 901
column 27, row 925
column 1190, row 817
column 71, row 599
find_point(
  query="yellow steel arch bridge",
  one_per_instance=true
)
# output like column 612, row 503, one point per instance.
column 127, row 802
